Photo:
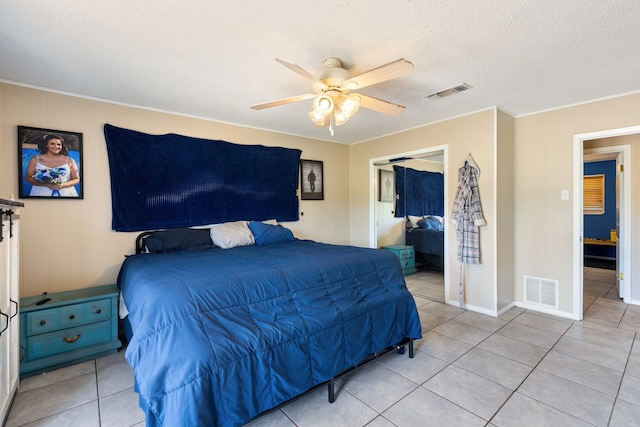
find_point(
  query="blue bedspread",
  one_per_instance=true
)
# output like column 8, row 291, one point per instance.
column 429, row 242
column 221, row 335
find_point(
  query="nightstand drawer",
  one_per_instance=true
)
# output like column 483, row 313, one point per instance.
column 71, row 316
column 42, row 321
column 70, row 327
column 98, row 311
column 405, row 254
column 67, row 340
column 407, row 263
column 67, row 317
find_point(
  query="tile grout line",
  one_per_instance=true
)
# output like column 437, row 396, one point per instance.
column 615, row 400
column 513, row 392
column 95, row 370
column 465, row 353
column 531, row 372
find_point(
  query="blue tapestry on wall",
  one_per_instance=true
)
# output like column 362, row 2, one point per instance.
column 419, row 192
column 170, row 181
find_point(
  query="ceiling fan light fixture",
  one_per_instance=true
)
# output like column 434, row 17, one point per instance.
column 350, row 104
column 346, row 106
column 317, row 118
column 323, row 104
column 340, row 118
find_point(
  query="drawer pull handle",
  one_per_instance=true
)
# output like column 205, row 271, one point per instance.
column 7, row 325
column 15, row 302
column 71, row 340
column 73, row 316
column 43, row 322
column 98, row 311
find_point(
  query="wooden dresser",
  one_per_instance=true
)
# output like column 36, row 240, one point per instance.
column 63, row 328
column 406, row 255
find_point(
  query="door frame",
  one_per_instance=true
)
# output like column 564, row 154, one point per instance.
column 621, row 155
column 578, row 212
column 373, row 237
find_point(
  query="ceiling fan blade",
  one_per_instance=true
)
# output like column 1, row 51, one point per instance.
column 284, row 101
column 389, row 71
column 380, row 105
column 297, row 69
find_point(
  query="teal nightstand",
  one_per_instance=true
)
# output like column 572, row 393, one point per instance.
column 406, row 255
column 72, row 327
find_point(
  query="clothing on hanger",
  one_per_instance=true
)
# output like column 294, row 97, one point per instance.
column 471, row 162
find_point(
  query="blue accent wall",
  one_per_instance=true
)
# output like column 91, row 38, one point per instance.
column 600, row 226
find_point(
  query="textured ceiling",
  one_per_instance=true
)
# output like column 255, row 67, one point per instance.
column 213, row 59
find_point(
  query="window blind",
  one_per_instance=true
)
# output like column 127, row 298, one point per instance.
column 593, row 194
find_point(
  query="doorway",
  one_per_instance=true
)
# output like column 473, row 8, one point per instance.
column 604, row 159
column 586, row 145
column 386, row 229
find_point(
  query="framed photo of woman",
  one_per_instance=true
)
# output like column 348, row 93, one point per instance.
column 312, row 180
column 50, row 163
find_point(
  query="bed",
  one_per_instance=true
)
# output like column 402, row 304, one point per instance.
column 426, row 235
column 218, row 335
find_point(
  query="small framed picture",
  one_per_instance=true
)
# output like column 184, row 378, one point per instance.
column 386, row 186
column 312, row 180
column 50, row 163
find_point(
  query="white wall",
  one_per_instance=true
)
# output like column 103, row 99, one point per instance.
column 69, row 244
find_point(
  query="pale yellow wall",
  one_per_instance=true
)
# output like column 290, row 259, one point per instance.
column 543, row 167
column 475, row 134
column 505, row 192
column 69, row 244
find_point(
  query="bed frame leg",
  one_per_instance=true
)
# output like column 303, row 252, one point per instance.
column 411, row 348
column 332, row 394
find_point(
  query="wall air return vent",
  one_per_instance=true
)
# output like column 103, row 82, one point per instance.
column 448, row 92
column 542, row 292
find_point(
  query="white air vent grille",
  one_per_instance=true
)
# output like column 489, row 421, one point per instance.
column 541, row 291
column 448, row 92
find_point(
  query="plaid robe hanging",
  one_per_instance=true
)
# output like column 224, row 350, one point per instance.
column 467, row 214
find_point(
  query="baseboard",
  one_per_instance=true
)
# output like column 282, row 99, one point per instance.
column 470, row 307
column 546, row 310
column 508, row 307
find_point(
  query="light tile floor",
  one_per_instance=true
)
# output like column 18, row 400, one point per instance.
column 521, row 369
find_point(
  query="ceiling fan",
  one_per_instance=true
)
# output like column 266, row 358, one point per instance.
column 333, row 104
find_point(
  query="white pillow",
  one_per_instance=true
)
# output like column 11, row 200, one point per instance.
column 271, row 222
column 414, row 220
column 231, row 234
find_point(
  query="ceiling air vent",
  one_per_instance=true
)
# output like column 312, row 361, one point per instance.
column 451, row 91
